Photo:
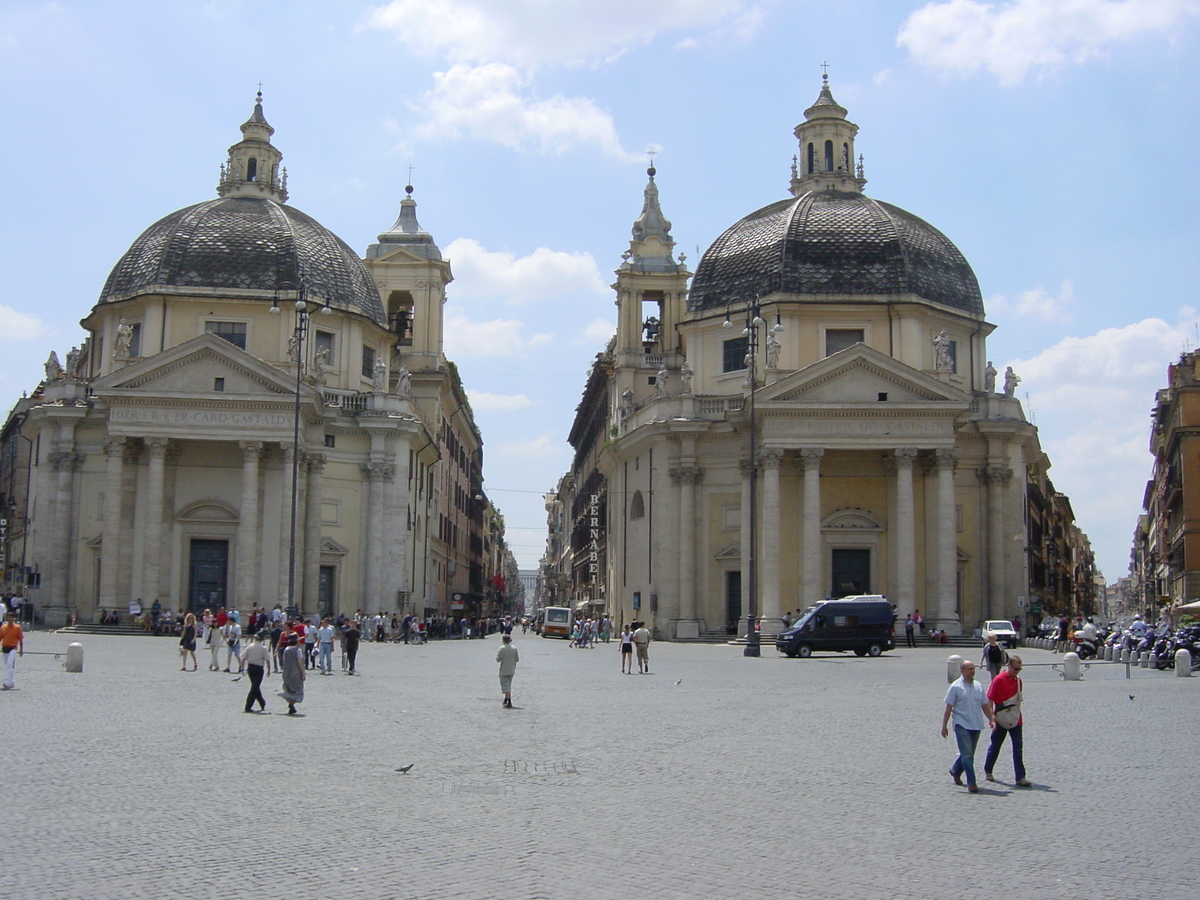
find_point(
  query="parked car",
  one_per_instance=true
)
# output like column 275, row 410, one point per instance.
column 1003, row 630
column 864, row 624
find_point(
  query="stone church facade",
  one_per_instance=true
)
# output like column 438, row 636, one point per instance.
column 886, row 458
column 256, row 415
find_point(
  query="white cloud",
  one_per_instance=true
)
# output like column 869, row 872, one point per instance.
column 543, row 447
column 18, row 326
column 1025, row 37
column 499, row 337
column 532, row 33
column 483, row 401
column 492, row 102
column 1091, row 397
column 598, row 331
column 1038, row 303
column 502, row 276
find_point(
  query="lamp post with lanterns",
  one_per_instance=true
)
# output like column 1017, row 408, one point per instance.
column 755, row 329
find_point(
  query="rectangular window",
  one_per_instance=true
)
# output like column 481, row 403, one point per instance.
column 330, row 440
column 218, row 384
column 323, row 340
column 135, row 340
column 838, row 339
column 734, row 354
column 368, row 366
column 234, row 332
column 952, row 349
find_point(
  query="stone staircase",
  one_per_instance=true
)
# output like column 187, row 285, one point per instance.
column 104, row 629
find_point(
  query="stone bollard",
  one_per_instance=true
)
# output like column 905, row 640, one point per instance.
column 75, row 657
column 1072, row 671
column 1108, row 653
column 1124, row 654
column 1144, row 660
column 1183, row 663
column 952, row 668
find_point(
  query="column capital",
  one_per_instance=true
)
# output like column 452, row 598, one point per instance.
column 994, row 474
column 770, row 457
column 377, row 471
column 64, row 460
column 811, row 457
column 157, row 446
column 946, row 458
column 691, row 475
column 115, row 444
column 745, row 467
column 316, row 462
column 905, row 456
column 251, row 449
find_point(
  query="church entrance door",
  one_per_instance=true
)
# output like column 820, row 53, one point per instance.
column 325, row 591
column 733, row 600
column 207, row 574
column 851, row 572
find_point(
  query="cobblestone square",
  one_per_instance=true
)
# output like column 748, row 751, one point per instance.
column 715, row 776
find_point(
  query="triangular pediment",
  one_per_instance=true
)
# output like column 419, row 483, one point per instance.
column 192, row 368
column 860, row 374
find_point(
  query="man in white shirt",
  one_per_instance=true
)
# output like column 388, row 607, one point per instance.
column 641, row 643
column 325, row 635
column 232, row 634
column 970, row 707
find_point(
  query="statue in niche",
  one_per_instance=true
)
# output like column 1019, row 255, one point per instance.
column 941, row 352
column 660, row 381
column 123, row 340
column 773, row 347
column 379, row 379
column 685, row 377
column 989, row 378
column 53, row 369
column 318, row 369
column 404, row 382
column 1011, row 380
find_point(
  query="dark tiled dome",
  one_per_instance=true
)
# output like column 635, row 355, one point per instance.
column 243, row 243
column 831, row 242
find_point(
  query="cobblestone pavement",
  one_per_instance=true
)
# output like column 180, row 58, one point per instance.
column 716, row 776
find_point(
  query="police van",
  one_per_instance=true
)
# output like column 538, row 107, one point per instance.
column 865, row 624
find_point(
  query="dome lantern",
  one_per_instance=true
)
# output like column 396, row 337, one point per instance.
column 826, row 160
column 253, row 169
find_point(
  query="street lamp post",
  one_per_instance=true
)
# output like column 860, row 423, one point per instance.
column 755, row 326
column 296, row 344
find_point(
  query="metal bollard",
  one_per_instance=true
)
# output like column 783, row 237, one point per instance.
column 1071, row 668
column 1183, row 663
column 953, row 662
column 75, row 657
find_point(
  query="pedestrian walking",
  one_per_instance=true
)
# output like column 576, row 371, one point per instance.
column 910, row 637
column 232, row 633
column 187, row 642
column 1006, row 692
column 641, row 641
column 994, row 656
column 325, row 647
column 626, row 651
column 293, row 674
column 971, row 709
column 508, row 657
column 12, row 645
column 350, row 639
column 258, row 664
column 214, row 640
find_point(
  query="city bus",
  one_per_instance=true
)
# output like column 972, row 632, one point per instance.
column 557, row 621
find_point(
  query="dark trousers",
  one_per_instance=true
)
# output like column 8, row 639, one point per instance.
column 993, row 753
column 909, row 637
column 351, row 653
column 256, row 676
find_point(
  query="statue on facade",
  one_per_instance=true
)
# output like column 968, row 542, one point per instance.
column 989, row 378
column 404, row 382
column 293, row 350
column 773, row 347
column 941, row 353
column 660, row 381
column 685, row 377
column 72, row 370
column 1011, row 380
column 627, row 403
column 379, row 379
column 53, row 369
column 123, row 340
column 318, row 368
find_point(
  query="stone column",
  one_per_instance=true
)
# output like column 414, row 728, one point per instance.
column 905, row 543
column 947, row 542
column 687, row 477
column 247, row 534
column 110, row 542
column 810, row 457
column 152, row 544
column 311, row 560
column 770, row 458
column 63, row 462
column 745, row 467
column 125, row 546
column 995, row 477
column 285, row 523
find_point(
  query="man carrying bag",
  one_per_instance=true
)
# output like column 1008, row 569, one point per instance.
column 1005, row 692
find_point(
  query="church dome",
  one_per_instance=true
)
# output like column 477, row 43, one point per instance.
column 833, row 242
column 243, row 243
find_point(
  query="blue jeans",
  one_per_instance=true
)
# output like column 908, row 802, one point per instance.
column 966, row 753
column 993, row 752
column 325, row 657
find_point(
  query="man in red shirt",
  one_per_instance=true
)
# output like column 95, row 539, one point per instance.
column 1005, row 694
column 12, row 641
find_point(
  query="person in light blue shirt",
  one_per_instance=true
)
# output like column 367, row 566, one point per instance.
column 967, row 703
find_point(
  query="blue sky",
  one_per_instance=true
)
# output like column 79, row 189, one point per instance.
column 1053, row 141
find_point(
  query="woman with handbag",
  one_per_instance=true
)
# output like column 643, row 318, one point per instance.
column 187, row 642
column 1005, row 692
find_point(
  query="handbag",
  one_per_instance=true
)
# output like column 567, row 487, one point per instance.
column 1008, row 714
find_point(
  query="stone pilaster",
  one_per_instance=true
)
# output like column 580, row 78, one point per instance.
column 686, row 477
column 248, row 563
column 946, row 460
column 995, row 477
column 312, row 531
column 153, row 543
column 904, row 531
column 110, row 542
column 770, row 459
column 810, row 458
